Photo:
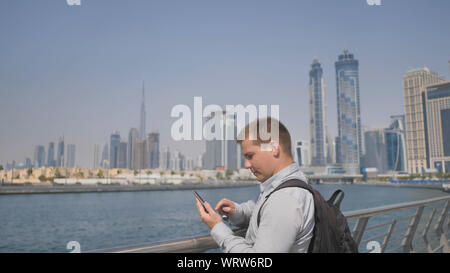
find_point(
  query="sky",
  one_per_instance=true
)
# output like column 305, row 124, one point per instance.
column 77, row 71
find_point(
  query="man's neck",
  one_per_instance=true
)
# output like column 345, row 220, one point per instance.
column 283, row 165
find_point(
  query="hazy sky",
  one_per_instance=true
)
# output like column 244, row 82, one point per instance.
column 77, row 71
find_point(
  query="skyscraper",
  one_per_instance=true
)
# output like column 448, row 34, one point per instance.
column 348, row 111
column 70, row 162
column 153, row 150
column 396, row 145
column 39, row 156
column 375, row 156
column 317, row 115
column 142, row 133
column 60, row 153
column 436, row 108
column 222, row 152
column 114, row 150
column 51, row 155
column 122, row 155
column 132, row 139
column 97, row 159
column 413, row 82
column 104, row 163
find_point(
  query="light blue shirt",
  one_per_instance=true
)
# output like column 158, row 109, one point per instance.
column 286, row 219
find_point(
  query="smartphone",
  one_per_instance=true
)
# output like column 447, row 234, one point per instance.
column 201, row 200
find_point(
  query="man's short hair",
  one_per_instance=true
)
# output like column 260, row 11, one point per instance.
column 284, row 138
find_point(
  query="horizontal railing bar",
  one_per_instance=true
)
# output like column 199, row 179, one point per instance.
column 353, row 215
column 202, row 243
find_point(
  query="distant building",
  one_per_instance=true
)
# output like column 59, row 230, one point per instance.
column 104, row 163
column 348, row 111
column 70, row 163
column 165, row 158
column 97, row 156
column 317, row 116
column 60, row 153
column 153, row 150
column 436, row 108
column 395, row 141
column 122, row 155
column 133, row 136
column 222, row 152
column 39, row 156
column 375, row 156
column 51, row 162
column 114, row 150
column 413, row 83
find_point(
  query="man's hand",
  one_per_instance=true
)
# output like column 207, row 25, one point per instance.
column 226, row 207
column 210, row 218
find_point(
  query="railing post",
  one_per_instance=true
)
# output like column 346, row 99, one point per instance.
column 388, row 236
column 409, row 236
column 425, row 232
column 439, row 228
column 359, row 229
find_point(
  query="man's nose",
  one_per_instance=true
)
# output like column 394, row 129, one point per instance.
column 247, row 165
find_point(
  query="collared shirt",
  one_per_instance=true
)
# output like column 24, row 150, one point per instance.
column 286, row 219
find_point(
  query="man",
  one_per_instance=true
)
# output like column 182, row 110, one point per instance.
column 286, row 218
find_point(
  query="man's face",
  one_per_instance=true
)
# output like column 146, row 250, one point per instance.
column 259, row 162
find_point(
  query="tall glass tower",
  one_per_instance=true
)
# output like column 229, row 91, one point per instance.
column 348, row 110
column 317, row 115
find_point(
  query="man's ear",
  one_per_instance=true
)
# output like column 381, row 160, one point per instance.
column 275, row 148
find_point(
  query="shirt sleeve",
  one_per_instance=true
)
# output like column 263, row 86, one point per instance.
column 280, row 223
column 243, row 213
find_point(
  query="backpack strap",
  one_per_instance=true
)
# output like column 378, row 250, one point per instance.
column 288, row 184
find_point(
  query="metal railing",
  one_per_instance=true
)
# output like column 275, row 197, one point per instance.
column 397, row 238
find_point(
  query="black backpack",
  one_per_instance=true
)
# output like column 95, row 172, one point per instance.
column 331, row 233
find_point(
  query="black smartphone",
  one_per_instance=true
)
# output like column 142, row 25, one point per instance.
column 201, row 200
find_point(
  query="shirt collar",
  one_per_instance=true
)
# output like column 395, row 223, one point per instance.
column 276, row 179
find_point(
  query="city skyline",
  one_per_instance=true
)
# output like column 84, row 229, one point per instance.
column 81, row 76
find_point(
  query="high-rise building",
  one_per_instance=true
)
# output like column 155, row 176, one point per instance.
column 413, row 82
column 436, row 108
column 395, row 141
column 133, row 136
column 142, row 133
column 223, row 152
column 317, row 115
column 51, row 155
column 122, row 155
column 165, row 158
column 114, row 150
column 104, row 163
column 348, row 111
column 140, row 155
column 97, row 158
column 153, row 150
column 375, row 156
column 60, row 153
column 39, row 156
column 70, row 162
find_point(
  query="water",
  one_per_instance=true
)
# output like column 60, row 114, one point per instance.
column 47, row 222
